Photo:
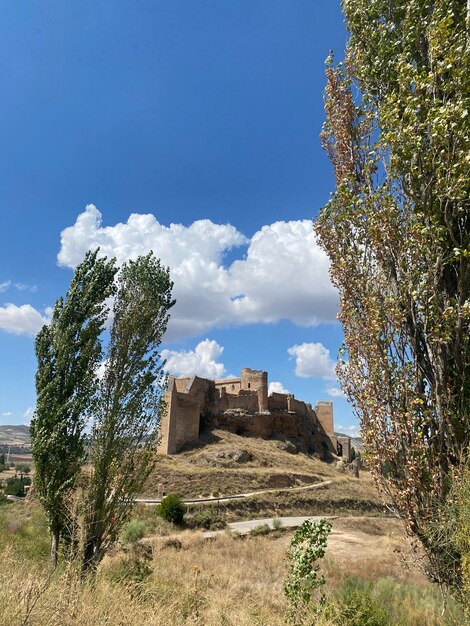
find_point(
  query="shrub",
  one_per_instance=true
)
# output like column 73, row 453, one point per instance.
column 131, row 569
column 133, row 531
column 277, row 523
column 172, row 509
column 22, row 468
column 262, row 529
column 355, row 606
column 15, row 486
column 208, row 519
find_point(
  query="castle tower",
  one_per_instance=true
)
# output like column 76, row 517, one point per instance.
column 167, row 443
column 324, row 412
column 256, row 380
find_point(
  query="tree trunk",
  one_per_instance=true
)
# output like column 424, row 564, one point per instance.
column 90, row 558
column 54, row 547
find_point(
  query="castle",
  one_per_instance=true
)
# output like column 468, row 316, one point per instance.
column 242, row 405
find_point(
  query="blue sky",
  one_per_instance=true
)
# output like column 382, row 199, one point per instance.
column 191, row 128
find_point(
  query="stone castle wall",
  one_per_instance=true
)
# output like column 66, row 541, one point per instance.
column 242, row 406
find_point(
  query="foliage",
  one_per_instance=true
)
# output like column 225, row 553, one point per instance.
column 172, row 509
column 132, row 569
column 307, row 547
column 133, row 531
column 277, row 523
column 15, row 486
column 354, row 605
column 262, row 529
column 68, row 352
column 123, row 404
column 208, row 518
column 129, row 403
column 397, row 231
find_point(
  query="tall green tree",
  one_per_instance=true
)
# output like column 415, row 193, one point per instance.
column 68, row 352
column 126, row 416
column 397, row 232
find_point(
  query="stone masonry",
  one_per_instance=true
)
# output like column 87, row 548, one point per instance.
column 242, row 405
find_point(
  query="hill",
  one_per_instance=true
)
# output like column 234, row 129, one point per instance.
column 17, row 436
column 225, row 464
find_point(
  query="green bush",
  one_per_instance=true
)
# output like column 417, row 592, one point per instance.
column 172, row 509
column 209, row 519
column 262, row 529
column 15, row 486
column 133, row 531
column 355, row 606
column 277, row 523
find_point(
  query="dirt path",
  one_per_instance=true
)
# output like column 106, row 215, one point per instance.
column 241, row 496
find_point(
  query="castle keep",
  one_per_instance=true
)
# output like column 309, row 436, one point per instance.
column 242, row 405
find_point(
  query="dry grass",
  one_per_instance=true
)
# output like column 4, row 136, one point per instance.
column 345, row 496
column 224, row 582
column 199, row 473
column 221, row 582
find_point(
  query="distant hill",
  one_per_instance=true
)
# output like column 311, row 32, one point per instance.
column 15, row 436
column 356, row 442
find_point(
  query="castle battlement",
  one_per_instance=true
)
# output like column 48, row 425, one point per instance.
column 242, row 405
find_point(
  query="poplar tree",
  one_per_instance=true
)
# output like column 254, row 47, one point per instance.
column 127, row 413
column 397, row 231
column 68, row 352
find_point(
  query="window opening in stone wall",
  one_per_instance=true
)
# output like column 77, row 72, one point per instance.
column 249, row 385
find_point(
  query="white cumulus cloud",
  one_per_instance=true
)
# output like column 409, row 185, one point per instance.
column 313, row 360
column 202, row 361
column 351, row 431
column 335, row 392
column 22, row 320
column 276, row 387
column 28, row 414
column 284, row 274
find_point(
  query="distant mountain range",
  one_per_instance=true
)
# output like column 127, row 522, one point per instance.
column 15, row 436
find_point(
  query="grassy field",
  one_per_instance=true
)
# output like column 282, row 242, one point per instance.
column 224, row 582
column 178, row 578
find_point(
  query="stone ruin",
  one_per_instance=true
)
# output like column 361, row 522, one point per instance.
column 243, row 406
